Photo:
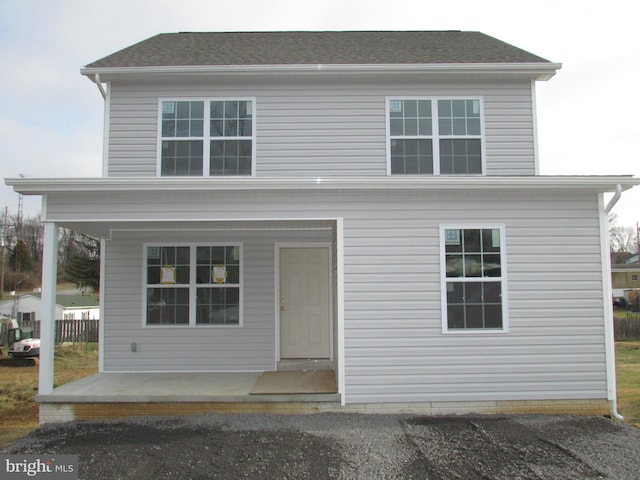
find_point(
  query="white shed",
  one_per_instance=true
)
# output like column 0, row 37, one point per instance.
column 27, row 307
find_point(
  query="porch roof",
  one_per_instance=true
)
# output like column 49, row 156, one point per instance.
column 78, row 191
column 45, row 186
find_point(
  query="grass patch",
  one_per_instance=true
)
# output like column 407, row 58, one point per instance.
column 19, row 385
column 628, row 379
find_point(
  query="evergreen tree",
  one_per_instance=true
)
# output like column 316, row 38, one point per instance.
column 82, row 265
column 20, row 258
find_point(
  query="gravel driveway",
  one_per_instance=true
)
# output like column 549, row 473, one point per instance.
column 345, row 446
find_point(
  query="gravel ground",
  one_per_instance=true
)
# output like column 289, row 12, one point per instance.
column 345, row 446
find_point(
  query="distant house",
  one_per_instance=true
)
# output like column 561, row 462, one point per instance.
column 625, row 276
column 371, row 200
column 28, row 307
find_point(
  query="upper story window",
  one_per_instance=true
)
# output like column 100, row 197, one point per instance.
column 434, row 136
column 212, row 137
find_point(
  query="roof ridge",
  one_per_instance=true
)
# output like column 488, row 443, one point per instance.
column 313, row 31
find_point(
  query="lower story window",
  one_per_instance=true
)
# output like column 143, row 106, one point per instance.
column 193, row 285
column 474, row 287
column 218, row 285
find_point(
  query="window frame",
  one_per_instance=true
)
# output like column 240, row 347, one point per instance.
column 435, row 136
column 206, row 137
column 444, row 280
column 192, row 285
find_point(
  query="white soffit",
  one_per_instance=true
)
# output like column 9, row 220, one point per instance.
column 45, row 186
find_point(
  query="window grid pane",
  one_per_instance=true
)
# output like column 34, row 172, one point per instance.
column 459, row 117
column 229, row 122
column 182, row 119
column 215, row 286
column 167, row 306
column 411, row 157
column 472, row 257
column 460, row 156
column 231, row 118
column 218, row 265
column 181, row 158
column 218, row 306
column 458, row 132
column 168, row 265
column 474, row 305
column 230, row 157
column 411, row 119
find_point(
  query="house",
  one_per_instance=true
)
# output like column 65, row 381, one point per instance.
column 28, row 307
column 369, row 200
column 625, row 279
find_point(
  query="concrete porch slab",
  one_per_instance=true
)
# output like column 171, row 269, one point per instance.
column 171, row 387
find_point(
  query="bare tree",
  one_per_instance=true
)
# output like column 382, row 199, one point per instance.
column 32, row 234
column 623, row 240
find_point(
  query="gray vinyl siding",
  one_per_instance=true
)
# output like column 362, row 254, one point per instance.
column 250, row 347
column 395, row 350
column 321, row 129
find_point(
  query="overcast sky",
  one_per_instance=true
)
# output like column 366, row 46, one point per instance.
column 51, row 117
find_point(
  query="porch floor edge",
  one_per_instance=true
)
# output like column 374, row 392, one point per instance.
column 55, row 412
column 186, row 398
column 196, row 387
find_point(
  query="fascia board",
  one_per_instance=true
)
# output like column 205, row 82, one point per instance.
column 538, row 71
column 44, row 186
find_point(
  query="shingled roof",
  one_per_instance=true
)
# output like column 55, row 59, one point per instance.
column 315, row 48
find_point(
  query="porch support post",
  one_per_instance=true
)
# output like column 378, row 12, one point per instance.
column 48, row 318
column 340, row 307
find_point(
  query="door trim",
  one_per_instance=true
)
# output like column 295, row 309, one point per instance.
column 283, row 245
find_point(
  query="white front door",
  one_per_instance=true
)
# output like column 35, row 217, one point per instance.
column 304, row 303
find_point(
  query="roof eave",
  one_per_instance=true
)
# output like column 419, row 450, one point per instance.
column 46, row 186
column 535, row 70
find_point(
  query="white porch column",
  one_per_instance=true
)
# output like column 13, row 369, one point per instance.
column 48, row 317
column 340, row 307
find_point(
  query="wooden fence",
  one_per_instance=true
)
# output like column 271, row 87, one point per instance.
column 78, row 331
column 627, row 328
column 73, row 331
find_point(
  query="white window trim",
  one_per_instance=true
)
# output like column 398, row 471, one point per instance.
column 206, row 139
column 435, row 134
column 193, row 286
column 503, row 280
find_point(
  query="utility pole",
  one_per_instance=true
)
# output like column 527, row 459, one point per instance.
column 18, row 239
column 16, row 299
column 3, row 245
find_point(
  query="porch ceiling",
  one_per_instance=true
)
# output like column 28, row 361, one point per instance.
column 105, row 229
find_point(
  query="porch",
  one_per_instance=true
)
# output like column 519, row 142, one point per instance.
column 115, row 395
column 264, row 324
